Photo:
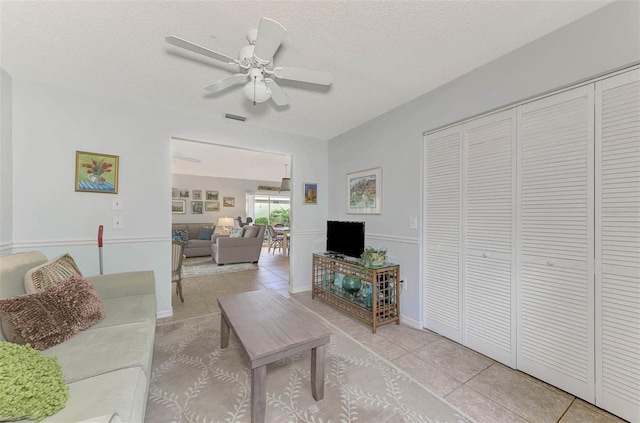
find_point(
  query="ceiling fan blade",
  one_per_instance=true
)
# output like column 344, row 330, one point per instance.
column 227, row 82
column 270, row 36
column 277, row 94
column 179, row 42
column 304, row 75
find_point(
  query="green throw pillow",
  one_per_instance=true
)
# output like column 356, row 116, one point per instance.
column 31, row 384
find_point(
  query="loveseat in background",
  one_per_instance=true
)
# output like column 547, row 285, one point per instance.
column 107, row 367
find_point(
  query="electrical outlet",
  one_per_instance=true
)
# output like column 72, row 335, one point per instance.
column 118, row 222
column 413, row 222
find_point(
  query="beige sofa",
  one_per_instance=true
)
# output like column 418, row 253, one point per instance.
column 197, row 247
column 245, row 249
column 108, row 366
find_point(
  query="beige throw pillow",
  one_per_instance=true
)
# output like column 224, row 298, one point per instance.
column 251, row 231
column 55, row 270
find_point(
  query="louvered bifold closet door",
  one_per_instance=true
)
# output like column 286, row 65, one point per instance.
column 442, row 198
column 489, row 276
column 556, row 238
column 618, row 245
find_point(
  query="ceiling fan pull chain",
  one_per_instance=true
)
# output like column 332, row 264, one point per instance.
column 254, row 89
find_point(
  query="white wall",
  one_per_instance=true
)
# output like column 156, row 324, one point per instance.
column 50, row 124
column 237, row 188
column 6, row 169
column 600, row 42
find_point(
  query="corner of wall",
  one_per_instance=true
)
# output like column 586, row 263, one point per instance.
column 6, row 163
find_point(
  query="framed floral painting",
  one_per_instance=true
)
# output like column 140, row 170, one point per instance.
column 364, row 191
column 96, row 172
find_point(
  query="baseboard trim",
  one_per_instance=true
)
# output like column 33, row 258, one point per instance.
column 410, row 322
column 163, row 314
column 300, row 289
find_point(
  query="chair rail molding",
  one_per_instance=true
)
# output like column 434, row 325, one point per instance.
column 84, row 241
column 393, row 238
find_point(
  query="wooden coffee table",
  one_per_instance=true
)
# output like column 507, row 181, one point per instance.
column 269, row 327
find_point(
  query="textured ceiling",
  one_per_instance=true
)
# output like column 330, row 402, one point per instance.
column 382, row 54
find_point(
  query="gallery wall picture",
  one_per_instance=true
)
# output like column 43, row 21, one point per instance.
column 212, row 206
column 228, row 201
column 96, row 172
column 175, row 192
column 212, row 195
column 178, row 206
column 310, row 193
column 196, row 207
column 184, row 193
column 364, row 191
column 196, row 194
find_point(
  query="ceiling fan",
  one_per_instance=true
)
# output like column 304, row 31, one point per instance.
column 256, row 64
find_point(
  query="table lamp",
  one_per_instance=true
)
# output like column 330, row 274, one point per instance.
column 226, row 223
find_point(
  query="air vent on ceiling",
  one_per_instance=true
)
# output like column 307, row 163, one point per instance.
column 235, row 117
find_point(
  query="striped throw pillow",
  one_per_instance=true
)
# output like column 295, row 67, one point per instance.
column 53, row 271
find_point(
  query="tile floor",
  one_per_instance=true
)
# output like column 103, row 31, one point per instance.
column 484, row 389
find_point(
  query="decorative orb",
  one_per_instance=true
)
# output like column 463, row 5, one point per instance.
column 351, row 285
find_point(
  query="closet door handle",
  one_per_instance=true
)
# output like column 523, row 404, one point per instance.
column 485, row 254
column 550, row 262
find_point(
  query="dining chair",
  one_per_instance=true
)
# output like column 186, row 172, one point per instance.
column 177, row 258
column 275, row 239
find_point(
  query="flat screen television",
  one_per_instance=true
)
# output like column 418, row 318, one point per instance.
column 345, row 238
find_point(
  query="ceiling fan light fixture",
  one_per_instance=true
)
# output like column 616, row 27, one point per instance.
column 257, row 89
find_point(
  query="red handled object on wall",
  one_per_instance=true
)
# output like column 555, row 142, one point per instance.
column 100, row 228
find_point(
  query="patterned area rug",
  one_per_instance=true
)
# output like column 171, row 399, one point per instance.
column 201, row 266
column 193, row 380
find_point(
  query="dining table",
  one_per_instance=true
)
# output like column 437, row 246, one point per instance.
column 286, row 235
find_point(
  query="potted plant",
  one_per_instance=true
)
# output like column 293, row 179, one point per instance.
column 373, row 257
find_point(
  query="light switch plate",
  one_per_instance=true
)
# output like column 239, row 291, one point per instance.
column 413, row 222
column 118, row 222
column 116, row 203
